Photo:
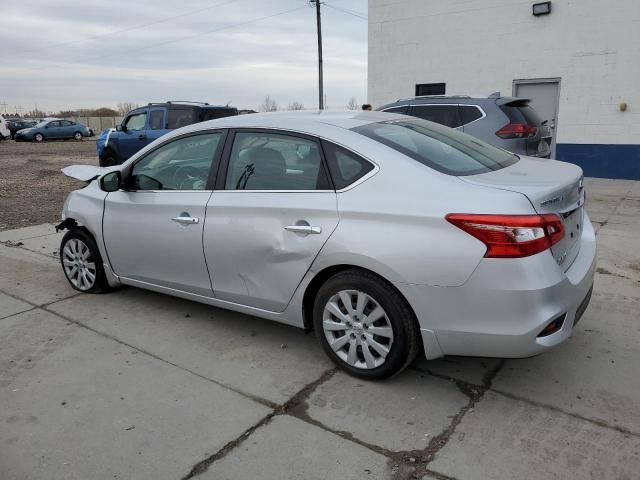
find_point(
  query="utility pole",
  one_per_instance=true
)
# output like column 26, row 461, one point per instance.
column 320, row 80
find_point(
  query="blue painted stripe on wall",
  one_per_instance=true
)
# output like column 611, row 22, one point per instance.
column 602, row 160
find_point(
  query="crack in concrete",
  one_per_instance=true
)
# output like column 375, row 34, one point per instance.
column 546, row 406
column 420, row 459
column 622, row 199
column 299, row 398
column 35, row 305
column 262, row 401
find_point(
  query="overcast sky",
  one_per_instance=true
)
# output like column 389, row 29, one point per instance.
column 70, row 54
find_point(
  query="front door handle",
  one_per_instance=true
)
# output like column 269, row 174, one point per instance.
column 303, row 229
column 142, row 137
column 186, row 220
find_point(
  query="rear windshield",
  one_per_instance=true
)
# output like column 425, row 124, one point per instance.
column 521, row 112
column 443, row 149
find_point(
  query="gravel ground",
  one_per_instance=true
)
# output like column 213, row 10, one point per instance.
column 32, row 188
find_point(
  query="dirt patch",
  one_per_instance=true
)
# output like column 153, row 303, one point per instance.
column 32, row 187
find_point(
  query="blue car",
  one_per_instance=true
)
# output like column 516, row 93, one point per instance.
column 51, row 129
column 143, row 125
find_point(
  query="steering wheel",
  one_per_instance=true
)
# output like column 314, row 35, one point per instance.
column 189, row 174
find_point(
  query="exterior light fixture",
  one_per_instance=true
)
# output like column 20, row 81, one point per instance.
column 542, row 8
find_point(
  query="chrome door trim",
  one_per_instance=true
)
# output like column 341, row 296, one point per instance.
column 186, row 220
column 306, row 229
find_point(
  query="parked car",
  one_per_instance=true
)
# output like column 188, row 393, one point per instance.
column 143, row 125
column 15, row 124
column 52, row 129
column 506, row 122
column 386, row 234
column 5, row 134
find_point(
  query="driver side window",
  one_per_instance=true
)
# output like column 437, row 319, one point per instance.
column 137, row 121
column 183, row 164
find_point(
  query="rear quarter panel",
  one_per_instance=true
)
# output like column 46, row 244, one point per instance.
column 394, row 222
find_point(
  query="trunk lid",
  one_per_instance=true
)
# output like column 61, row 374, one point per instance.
column 551, row 187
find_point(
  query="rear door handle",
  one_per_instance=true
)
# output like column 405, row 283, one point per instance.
column 186, row 220
column 303, row 229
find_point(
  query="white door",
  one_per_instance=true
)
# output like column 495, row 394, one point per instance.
column 544, row 96
column 266, row 227
column 153, row 230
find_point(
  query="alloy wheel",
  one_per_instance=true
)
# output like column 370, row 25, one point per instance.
column 357, row 329
column 78, row 264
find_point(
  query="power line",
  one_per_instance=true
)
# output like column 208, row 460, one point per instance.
column 347, row 11
column 138, row 26
column 206, row 32
column 186, row 37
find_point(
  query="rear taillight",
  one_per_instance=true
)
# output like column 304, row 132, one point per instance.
column 517, row 130
column 511, row 236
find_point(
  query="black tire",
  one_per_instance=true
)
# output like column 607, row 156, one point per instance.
column 406, row 334
column 109, row 158
column 100, row 284
column 38, row 138
column 77, row 136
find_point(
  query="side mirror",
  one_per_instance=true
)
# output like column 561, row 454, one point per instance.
column 111, row 181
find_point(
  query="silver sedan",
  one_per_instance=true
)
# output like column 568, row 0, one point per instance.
column 387, row 235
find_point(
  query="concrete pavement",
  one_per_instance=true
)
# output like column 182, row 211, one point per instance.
column 138, row 385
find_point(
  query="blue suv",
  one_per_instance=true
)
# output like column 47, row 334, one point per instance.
column 143, row 125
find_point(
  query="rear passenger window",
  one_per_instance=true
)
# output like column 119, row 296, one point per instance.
column 469, row 114
column 345, row 167
column 269, row 161
column 443, row 114
column 182, row 117
column 156, row 120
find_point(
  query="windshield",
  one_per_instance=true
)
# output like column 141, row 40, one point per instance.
column 443, row 149
column 42, row 123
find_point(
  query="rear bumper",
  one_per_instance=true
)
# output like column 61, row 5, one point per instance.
column 502, row 308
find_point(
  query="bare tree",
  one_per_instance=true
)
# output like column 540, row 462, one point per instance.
column 268, row 105
column 295, row 106
column 353, row 104
column 126, row 107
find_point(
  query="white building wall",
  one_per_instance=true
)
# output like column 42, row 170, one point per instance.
column 481, row 46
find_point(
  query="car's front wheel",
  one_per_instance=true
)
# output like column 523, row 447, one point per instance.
column 38, row 137
column 82, row 263
column 108, row 158
column 364, row 325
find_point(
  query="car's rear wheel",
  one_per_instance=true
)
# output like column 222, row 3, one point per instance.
column 81, row 262
column 38, row 137
column 77, row 136
column 364, row 325
column 108, row 158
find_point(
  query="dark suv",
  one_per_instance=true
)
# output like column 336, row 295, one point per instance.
column 15, row 124
column 506, row 122
column 143, row 125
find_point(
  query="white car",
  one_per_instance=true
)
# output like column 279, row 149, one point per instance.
column 387, row 234
column 5, row 134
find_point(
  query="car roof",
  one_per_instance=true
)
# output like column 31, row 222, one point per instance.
column 298, row 120
column 458, row 99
